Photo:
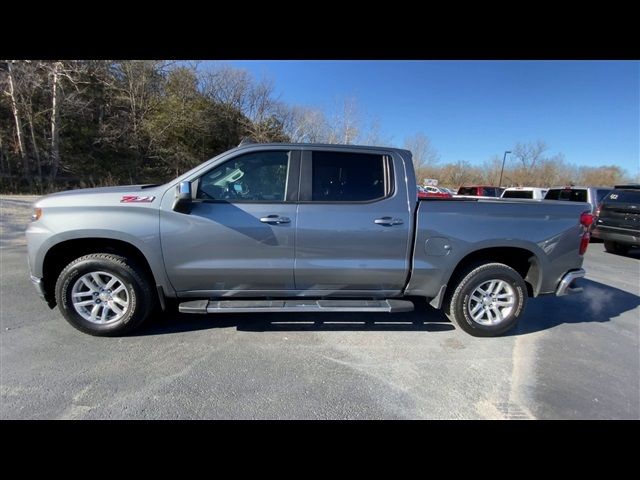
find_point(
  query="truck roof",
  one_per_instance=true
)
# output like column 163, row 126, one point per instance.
column 479, row 186
column 569, row 187
column 309, row 146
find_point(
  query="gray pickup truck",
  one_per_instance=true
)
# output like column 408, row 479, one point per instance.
column 298, row 228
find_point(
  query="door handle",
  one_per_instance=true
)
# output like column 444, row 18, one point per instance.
column 388, row 221
column 275, row 219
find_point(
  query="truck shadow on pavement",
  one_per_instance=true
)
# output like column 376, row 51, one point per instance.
column 597, row 303
column 422, row 319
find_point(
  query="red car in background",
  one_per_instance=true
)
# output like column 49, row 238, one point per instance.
column 430, row 191
column 481, row 191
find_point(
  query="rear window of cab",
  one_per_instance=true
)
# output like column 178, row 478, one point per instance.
column 623, row 196
column 567, row 194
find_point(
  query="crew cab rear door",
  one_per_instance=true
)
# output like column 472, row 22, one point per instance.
column 354, row 223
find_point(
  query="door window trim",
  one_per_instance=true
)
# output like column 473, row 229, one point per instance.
column 306, row 179
column 291, row 184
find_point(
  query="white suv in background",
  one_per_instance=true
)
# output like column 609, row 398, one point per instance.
column 533, row 193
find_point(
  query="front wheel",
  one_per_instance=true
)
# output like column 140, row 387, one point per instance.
column 488, row 300
column 104, row 294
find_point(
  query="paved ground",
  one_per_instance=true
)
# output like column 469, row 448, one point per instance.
column 571, row 357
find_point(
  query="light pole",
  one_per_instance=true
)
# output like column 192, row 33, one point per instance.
column 502, row 169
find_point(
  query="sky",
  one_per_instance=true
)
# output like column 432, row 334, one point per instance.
column 473, row 110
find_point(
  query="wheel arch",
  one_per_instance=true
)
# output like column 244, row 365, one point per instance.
column 522, row 260
column 64, row 252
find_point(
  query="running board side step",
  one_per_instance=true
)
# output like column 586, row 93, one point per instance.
column 248, row 306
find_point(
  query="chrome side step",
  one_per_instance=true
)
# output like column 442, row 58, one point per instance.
column 249, row 306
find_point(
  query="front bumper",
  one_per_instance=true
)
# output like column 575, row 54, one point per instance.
column 565, row 288
column 37, row 283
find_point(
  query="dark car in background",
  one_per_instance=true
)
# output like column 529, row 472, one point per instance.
column 618, row 219
column 591, row 195
column 480, row 191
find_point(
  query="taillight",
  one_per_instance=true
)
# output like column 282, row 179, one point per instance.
column 586, row 219
column 584, row 243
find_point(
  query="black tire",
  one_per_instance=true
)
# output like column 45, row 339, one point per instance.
column 613, row 247
column 141, row 299
column 456, row 304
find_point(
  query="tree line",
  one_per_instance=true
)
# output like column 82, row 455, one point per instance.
column 68, row 124
column 528, row 164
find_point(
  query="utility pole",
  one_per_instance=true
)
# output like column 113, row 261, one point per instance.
column 502, row 169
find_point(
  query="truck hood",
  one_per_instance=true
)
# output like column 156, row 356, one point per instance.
column 104, row 196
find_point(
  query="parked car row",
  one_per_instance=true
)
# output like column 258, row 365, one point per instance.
column 430, row 191
column 532, row 193
column 616, row 210
column 617, row 219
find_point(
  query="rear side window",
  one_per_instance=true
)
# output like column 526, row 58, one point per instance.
column 624, row 196
column 467, row 191
column 489, row 192
column 348, row 177
column 567, row 194
column 518, row 194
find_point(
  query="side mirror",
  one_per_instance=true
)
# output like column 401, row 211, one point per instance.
column 183, row 198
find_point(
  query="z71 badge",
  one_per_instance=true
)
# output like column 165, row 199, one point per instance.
column 136, row 199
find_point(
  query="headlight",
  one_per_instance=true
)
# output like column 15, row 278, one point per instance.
column 37, row 213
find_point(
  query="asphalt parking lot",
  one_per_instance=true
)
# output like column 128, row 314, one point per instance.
column 574, row 357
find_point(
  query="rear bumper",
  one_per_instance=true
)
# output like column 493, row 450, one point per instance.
column 565, row 286
column 632, row 238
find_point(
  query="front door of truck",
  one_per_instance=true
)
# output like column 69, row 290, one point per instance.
column 238, row 236
column 354, row 224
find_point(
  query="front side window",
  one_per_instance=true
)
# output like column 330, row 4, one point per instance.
column 347, row 177
column 258, row 177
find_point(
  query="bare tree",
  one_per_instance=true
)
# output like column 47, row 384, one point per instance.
column 56, row 72
column 345, row 122
column 4, row 169
column 307, row 125
column 11, row 92
column 424, row 153
column 529, row 154
column 228, row 86
column 458, row 173
column 236, row 88
column 374, row 136
column 491, row 170
column 607, row 175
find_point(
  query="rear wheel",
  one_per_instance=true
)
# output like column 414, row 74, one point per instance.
column 488, row 300
column 614, row 247
column 104, row 294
